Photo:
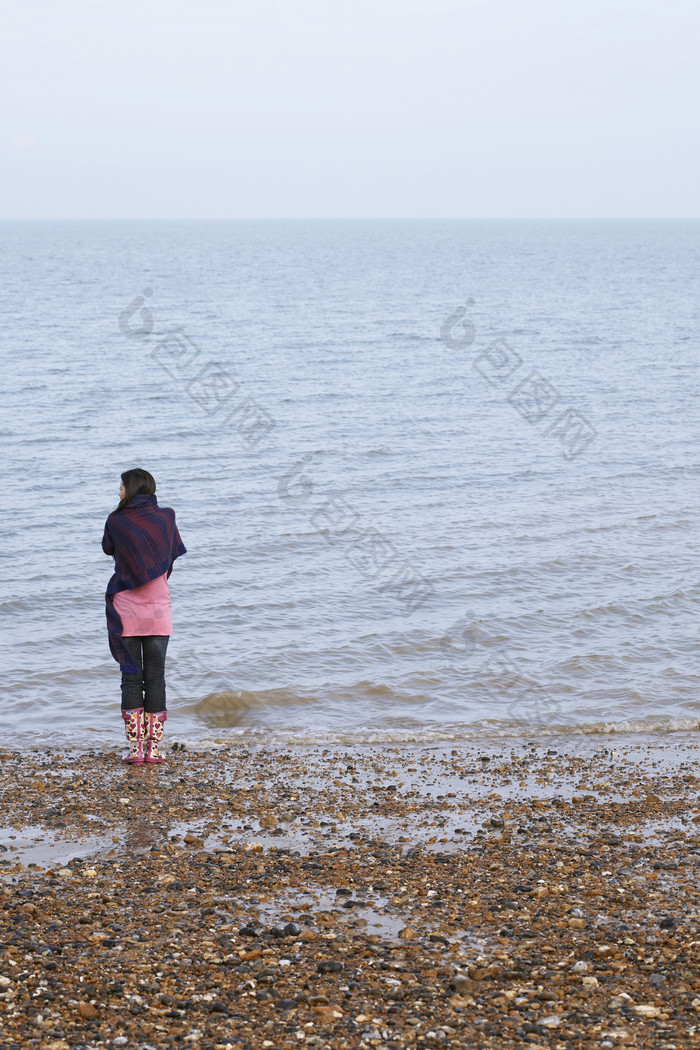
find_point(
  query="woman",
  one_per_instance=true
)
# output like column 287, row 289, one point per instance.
column 144, row 541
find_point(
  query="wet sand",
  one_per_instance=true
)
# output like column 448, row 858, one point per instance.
column 403, row 897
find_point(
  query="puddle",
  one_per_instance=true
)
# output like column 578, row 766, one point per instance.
column 369, row 912
column 323, row 909
column 34, row 846
column 451, row 836
column 438, row 775
column 444, row 801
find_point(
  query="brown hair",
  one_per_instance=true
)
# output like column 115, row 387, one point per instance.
column 136, row 482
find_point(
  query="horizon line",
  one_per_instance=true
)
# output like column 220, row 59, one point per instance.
column 360, row 218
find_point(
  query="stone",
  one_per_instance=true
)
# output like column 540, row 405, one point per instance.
column 163, row 942
column 617, row 1002
column 328, row 1013
column 252, row 929
column 408, row 934
column 286, row 1004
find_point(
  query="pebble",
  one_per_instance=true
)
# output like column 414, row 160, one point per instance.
column 647, row 1010
column 186, row 932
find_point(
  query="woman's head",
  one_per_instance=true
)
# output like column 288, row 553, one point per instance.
column 135, row 482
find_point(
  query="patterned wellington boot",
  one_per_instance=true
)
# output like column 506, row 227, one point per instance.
column 155, row 724
column 134, row 723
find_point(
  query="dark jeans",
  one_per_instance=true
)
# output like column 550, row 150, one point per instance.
column 148, row 653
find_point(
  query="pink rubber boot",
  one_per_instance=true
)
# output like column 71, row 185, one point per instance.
column 155, row 725
column 134, row 723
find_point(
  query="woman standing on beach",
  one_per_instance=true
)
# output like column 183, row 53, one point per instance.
column 144, row 541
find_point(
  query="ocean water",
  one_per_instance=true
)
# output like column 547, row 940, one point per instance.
column 437, row 479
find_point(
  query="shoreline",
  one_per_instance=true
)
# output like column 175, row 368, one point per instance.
column 202, row 736
column 494, row 896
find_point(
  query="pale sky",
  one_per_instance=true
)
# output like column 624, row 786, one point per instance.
column 349, row 108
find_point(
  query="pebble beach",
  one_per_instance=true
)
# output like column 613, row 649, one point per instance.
column 414, row 896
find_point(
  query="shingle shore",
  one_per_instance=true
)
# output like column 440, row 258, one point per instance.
column 375, row 897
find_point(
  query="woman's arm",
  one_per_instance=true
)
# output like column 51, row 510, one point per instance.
column 107, row 545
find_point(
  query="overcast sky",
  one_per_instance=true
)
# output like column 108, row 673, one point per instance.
column 357, row 108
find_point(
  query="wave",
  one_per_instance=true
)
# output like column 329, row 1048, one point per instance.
column 228, row 708
column 474, row 733
column 283, row 713
column 576, row 737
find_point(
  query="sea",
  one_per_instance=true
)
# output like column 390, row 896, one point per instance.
column 437, row 480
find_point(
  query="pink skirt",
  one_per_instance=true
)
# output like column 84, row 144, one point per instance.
column 145, row 610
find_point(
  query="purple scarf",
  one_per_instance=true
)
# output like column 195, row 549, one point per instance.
column 145, row 542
